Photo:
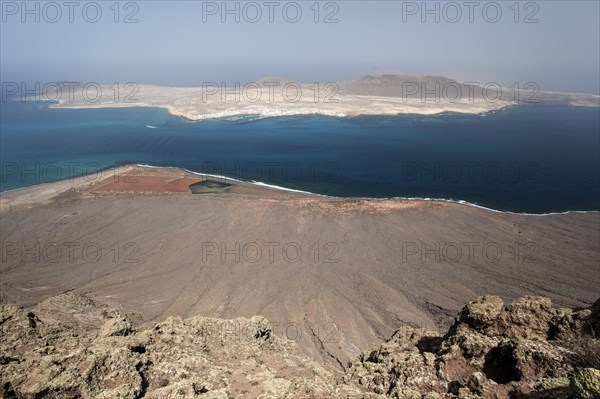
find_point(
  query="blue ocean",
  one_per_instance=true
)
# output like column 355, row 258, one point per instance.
column 527, row 159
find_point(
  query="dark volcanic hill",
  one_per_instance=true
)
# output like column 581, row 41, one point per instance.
column 443, row 89
column 413, row 87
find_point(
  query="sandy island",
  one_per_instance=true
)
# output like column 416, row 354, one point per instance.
column 272, row 97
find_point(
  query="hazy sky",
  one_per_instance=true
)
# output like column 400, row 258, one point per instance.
column 176, row 43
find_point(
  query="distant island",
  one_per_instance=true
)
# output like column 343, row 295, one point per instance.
column 372, row 95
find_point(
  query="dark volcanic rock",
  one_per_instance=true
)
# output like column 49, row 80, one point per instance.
column 491, row 351
column 521, row 351
column 196, row 357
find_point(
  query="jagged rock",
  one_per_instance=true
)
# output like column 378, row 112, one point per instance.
column 523, row 359
column 551, row 388
column 568, row 324
column 402, row 361
column 481, row 313
column 586, row 384
column 112, row 373
column 491, row 352
column 594, row 318
column 527, row 317
column 196, row 357
column 117, row 326
column 473, row 344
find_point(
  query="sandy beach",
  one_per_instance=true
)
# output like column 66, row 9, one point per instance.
column 339, row 275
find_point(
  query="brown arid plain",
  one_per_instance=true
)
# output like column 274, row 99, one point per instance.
column 338, row 276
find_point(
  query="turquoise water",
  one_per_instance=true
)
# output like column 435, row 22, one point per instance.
column 533, row 159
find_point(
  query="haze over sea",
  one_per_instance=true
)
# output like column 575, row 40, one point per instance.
column 530, row 159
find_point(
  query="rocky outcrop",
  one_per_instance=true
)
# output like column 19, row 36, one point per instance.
column 586, row 384
column 196, row 357
column 78, row 348
column 523, row 350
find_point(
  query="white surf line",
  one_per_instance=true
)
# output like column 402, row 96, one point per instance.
column 280, row 188
column 258, row 183
column 463, row 202
column 215, row 176
column 252, row 182
column 425, row 199
column 193, row 172
column 144, row 165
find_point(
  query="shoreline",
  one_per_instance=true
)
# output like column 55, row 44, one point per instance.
column 262, row 114
column 197, row 103
column 256, row 115
column 237, row 115
column 76, row 182
column 350, row 99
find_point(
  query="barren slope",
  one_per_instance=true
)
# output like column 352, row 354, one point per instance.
column 337, row 276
